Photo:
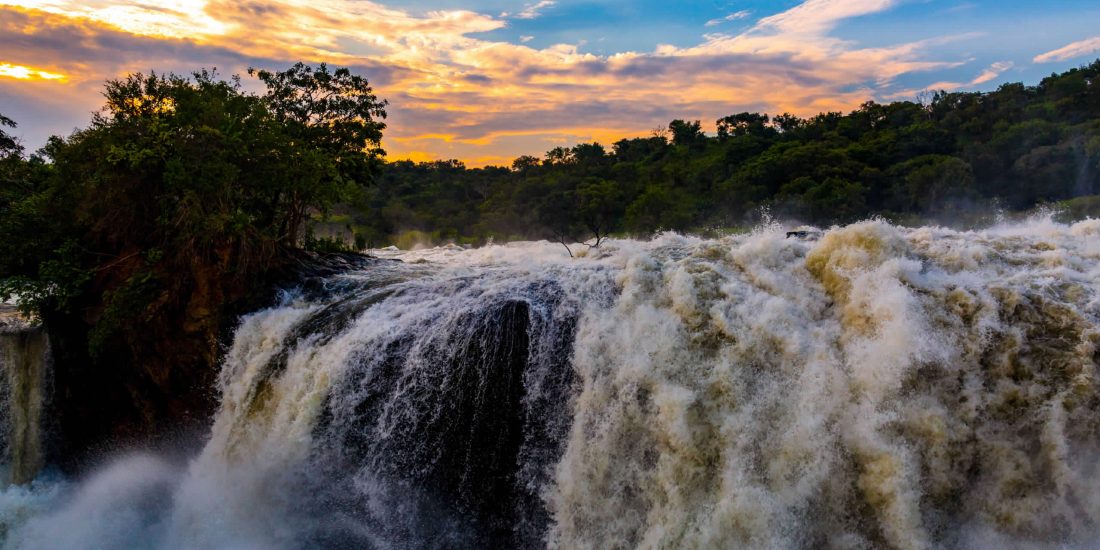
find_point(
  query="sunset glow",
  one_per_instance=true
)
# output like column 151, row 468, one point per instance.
column 20, row 72
column 494, row 80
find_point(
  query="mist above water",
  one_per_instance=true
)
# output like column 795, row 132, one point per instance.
column 878, row 387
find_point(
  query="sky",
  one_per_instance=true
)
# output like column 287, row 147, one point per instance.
column 485, row 81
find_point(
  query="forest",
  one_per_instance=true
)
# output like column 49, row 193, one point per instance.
column 191, row 184
column 949, row 158
column 139, row 240
column 177, row 174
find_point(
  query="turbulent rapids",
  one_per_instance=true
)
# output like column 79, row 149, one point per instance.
column 877, row 387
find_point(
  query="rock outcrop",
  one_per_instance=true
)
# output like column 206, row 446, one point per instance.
column 152, row 383
column 25, row 391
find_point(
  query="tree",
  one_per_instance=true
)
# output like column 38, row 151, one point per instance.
column 525, row 164
column 688, row 134
column 1022, row 144
column 589, row 155
column 787, row 123
column 933, row 182
column 21, row 221
column 599, row 206
column 659, row 207
column 744, row 124
column 179, row 180
column 332, row 121
column 639, row 149
column 8, row 145
column 11, row 160
column 147, row 233
column 559, row 156
column 835, row 200
column 551, row 207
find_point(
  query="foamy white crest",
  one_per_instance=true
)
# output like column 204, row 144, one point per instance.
column 879, row 387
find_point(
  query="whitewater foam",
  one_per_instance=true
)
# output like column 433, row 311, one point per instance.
column 879, row 387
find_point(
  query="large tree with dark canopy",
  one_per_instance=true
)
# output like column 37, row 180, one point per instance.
column 332, row 120
column 140, row 238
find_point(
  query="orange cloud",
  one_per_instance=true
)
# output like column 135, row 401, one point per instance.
column 1069, row 51
column 21, row 72
column 454, row 95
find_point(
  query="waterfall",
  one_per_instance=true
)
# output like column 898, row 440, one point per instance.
column 416, row 403
column 24, row 395
column 877, row 387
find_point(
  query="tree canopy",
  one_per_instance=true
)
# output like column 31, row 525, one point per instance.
column 180, row 178
column 942, row 159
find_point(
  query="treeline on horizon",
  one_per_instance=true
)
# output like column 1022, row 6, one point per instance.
column 941, row 159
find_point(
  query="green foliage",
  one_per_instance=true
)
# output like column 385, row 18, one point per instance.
column 333, row 137
column 58, row 282
column 180, row 184
column 933, row 182
column 943, row 158
column 753, row 124
column 8, row 145
column 361, row 240
column 325, row 244
column 1080, row 207
column 687, row 134
column 130, row 305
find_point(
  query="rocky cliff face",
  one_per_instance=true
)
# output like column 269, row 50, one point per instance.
column 152, row 382
column 25, row 390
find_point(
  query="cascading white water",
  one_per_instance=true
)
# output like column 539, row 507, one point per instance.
column 879, row 387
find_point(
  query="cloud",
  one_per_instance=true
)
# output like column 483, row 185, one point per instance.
column 817, row 16
column 1069, row 51
column 731, row 17
column 533, row 11
column 21, row 72
column 526, row 38
column 452, row 92
column 965, row 6
column 992, row 72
